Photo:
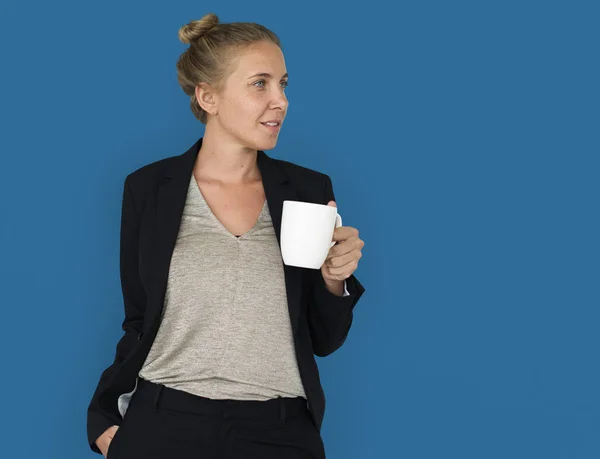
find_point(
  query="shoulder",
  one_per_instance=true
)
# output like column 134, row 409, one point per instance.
column 145, row 179
column 307, row 181
column 150, row 172
column 311, row 185
column 303, row 175
column 149, row 176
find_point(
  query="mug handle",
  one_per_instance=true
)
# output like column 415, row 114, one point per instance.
column 338, row 223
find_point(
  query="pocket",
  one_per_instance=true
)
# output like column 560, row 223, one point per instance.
column 117, row 436
column 111, row 445
column 314, row 440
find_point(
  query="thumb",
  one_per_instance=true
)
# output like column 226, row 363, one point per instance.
column 332, row 204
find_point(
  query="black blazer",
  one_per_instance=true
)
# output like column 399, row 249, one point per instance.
column 153, row 202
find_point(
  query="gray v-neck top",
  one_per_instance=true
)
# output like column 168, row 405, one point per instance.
column 225, row 331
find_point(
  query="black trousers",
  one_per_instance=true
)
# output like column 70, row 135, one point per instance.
column 164, row 423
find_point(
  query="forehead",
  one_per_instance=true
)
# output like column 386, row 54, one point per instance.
column 263, row 57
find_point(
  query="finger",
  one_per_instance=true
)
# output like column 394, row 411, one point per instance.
column 343, row 260
column 345, row 247
column 343, row 272
column 344, row 232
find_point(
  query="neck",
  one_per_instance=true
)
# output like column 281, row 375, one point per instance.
column 226, row 160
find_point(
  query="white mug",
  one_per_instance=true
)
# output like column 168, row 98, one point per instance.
column 307, row 233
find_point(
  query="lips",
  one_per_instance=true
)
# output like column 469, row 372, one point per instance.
column 272, row 129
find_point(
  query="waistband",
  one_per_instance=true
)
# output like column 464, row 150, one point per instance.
column 160, row 396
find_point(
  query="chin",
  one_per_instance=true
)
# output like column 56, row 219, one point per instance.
column 266, row 144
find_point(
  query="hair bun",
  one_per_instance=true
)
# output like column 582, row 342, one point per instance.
column 195, row 29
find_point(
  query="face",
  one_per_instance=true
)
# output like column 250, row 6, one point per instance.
column 253, row 93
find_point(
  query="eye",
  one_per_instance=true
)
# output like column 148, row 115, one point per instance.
column 285, row 83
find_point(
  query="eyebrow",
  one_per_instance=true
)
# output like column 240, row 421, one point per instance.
column 267, row 75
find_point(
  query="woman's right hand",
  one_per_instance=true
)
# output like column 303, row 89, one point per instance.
column 103, row 441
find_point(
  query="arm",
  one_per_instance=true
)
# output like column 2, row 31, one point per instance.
column 134, row 297
column 329, row 315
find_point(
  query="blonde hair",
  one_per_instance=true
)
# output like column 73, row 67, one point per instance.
column 213, row 47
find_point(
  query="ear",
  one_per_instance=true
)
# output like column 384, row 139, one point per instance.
column 206, row 98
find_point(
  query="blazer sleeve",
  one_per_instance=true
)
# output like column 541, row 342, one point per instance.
column 329, row 315
column 134, row 298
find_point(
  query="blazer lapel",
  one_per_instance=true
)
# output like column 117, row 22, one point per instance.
column 172, row 194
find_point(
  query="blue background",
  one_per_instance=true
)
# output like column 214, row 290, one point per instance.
column 462, row 139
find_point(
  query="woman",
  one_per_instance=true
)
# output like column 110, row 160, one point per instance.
column 217, row 359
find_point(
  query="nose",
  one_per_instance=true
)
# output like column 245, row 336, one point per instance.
column 280, row 100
